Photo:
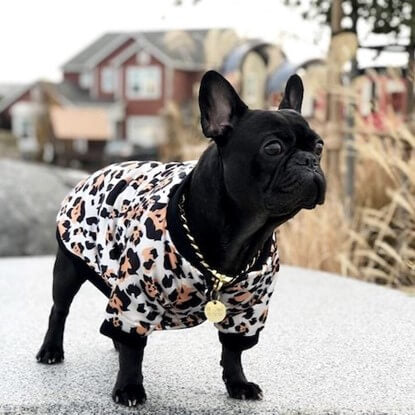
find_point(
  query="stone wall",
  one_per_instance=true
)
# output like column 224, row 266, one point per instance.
column 30, row 196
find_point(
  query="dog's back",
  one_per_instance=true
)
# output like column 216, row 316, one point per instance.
column 94, row 219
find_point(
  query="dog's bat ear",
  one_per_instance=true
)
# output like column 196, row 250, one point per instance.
column 293, row 95
column 220, row 105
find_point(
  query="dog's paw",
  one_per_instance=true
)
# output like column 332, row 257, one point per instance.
column 50, row 354
column 130, row 395
column 244, row 390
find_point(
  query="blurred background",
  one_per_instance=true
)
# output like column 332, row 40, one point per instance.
column 85, row 84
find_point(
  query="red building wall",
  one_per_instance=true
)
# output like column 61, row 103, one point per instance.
column 141, row 106
column 72, row 77
column 97, row 71
column 183, row 82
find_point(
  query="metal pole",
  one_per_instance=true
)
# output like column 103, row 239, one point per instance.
column 336, row 16
column 333, row 108
column 350, row 147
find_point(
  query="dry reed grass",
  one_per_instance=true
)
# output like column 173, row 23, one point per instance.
column 381, row 245
column 378, row 243
column 313, row 239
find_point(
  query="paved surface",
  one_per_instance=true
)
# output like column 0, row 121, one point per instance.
column 331, row 346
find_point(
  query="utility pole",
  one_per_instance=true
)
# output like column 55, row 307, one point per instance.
column 334, row 73
column 349, row 182
column 336, row 16
column 333, row 109
column 411, row 66
column 341, row 40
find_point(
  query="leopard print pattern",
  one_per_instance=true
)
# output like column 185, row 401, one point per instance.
column 115, row 221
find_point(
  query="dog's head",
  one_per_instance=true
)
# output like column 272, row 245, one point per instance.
column 270, row 159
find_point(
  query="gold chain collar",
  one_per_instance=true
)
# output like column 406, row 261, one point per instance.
column 220, row 279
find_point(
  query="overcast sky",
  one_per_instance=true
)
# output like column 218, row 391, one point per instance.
column 37, row 36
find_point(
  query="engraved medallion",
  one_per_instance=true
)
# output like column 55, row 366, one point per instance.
column 215, row 311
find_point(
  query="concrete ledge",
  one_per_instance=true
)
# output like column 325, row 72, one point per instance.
column 331, row 346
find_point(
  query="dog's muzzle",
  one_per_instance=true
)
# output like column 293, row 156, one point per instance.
column 320, row 183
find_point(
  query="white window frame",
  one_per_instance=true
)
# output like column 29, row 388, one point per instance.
column 23, row 127
column 80, row 145
column 108, row 80
column 134, row 72
column 85, row 80
column 147, row 131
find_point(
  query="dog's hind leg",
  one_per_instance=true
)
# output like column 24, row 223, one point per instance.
column 69, row 274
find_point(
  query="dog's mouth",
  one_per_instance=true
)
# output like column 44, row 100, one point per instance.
column 320, row 183
column 320, row 193
column 298, row 197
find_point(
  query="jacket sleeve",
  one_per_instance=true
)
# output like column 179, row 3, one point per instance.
column 247, row 310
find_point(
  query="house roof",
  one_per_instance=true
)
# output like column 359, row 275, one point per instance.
column 179, row 48
column 14, row 96
column 82, row 123
column 8, row 89
column 277, row 80
column 235, row 58
column 182, row 48
column 100, row 48
column 72, row 94
column 65, row 93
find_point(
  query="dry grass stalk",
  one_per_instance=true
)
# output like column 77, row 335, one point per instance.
column 313, row 239
column 390, row 232
column 378, row 245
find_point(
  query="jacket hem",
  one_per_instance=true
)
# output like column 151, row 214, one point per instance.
column 238, row 342
column 130, row 339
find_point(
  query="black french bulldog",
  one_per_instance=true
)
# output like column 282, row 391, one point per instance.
column 262, row 168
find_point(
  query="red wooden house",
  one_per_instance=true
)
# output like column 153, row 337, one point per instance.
column 121, row 82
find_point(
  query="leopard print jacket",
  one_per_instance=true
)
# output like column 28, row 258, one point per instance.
column 118, row 222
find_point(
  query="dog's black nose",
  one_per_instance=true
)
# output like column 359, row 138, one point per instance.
column 307, row 159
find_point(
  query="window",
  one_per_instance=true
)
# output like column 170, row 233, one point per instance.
column 80, row 145
column 23, row 127
column 145, row 131
column 144, row 82
column 108, row 80
column 85, row 80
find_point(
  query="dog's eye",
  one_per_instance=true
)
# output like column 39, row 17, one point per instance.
column 273, row 149
column 318, row 149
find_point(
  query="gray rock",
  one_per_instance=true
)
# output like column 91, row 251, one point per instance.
column 30, row 196
column 331, row 346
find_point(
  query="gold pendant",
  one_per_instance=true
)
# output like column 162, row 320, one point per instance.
column 215, row 311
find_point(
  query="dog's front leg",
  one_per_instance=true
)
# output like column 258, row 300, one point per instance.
column 233, row 375
column 129, row 389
